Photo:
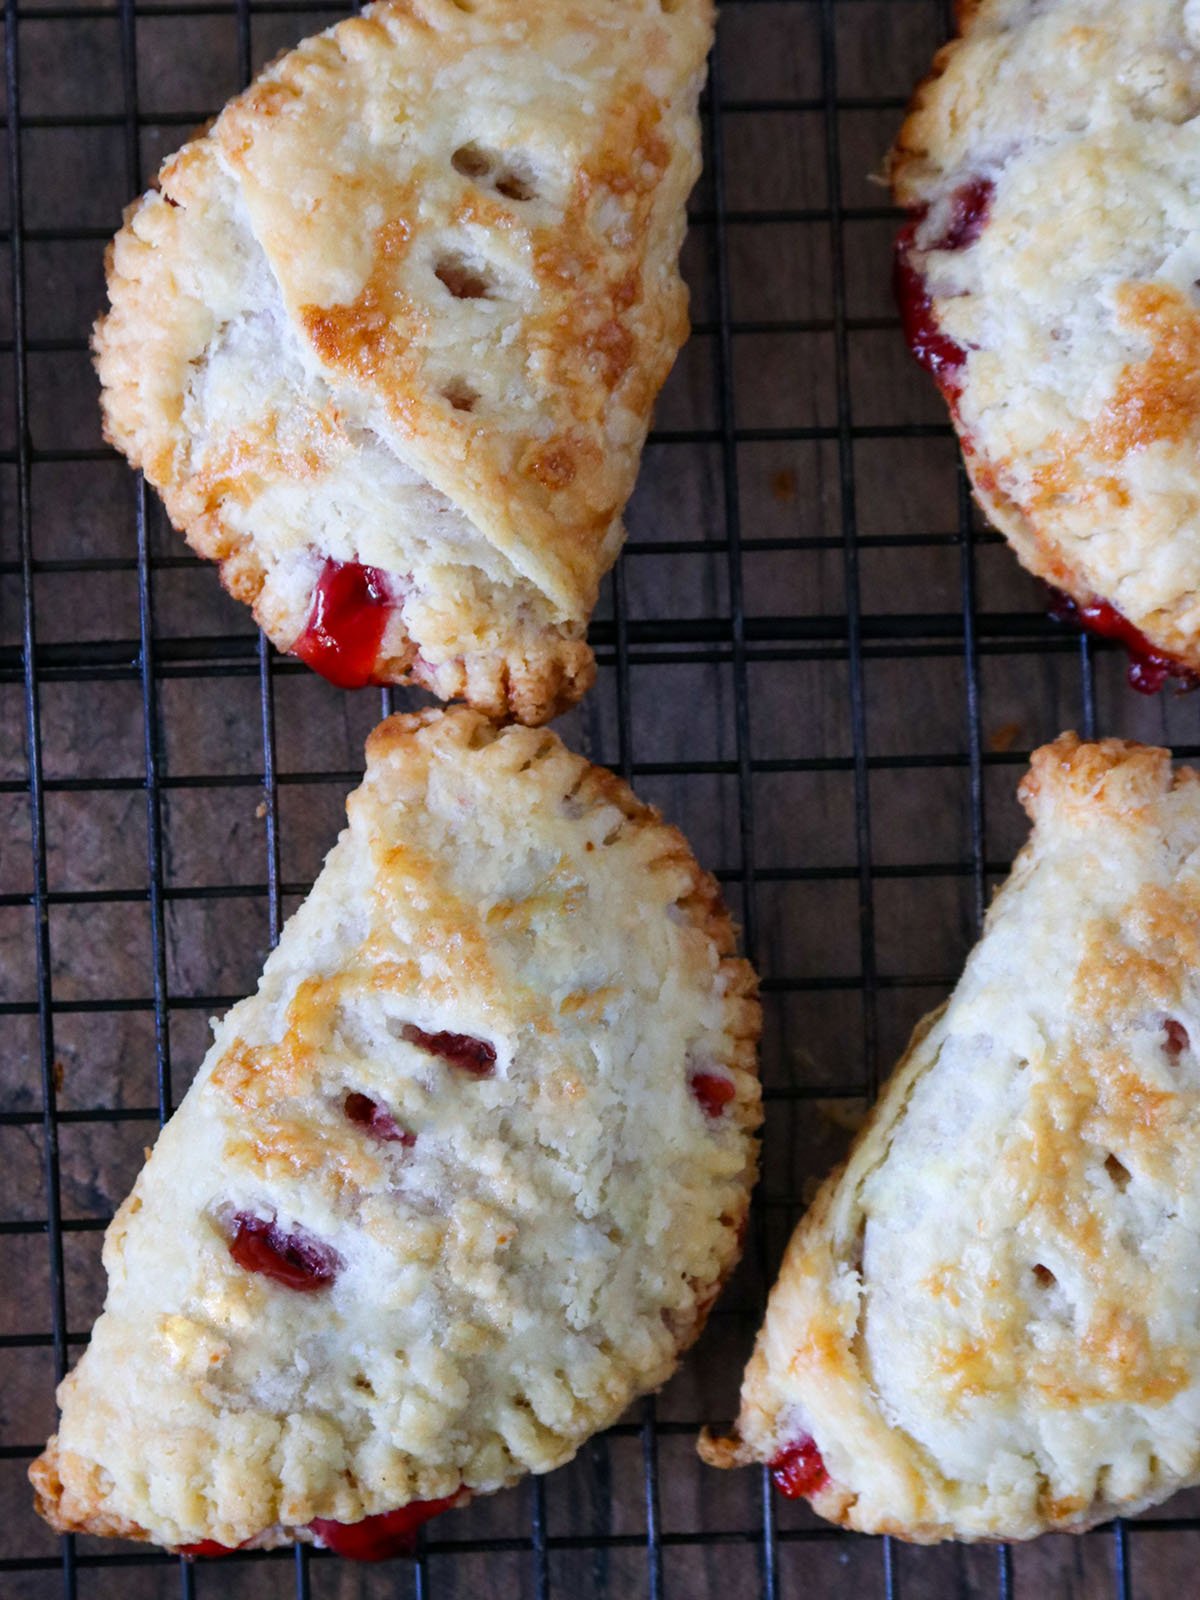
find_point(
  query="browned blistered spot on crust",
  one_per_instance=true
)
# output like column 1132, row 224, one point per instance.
column 263, row 100
column 1116, row 1361
column 942, row 1285
column 446, row 923
column 1159, row 398
column 611, row 345
column 822, row 1352
column 483, row 209
column 1108, row 776
column 591, row 1003
column 267, row 449
column 277, row 1086
column 584, row 260
column 1126, row 1362
column 373, row 335
column 71, row 1493
column 1139, row 960
column 1156, row 401
column 977, row 1364
column 1060, row 1508
column 562, row 900
column 628, row 290
column 552, row 465
column 394, row 975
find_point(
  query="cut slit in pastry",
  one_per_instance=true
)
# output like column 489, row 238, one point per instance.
column 444, row 1196
column 985, row 1327
column 387, row 337
column 1047, row 280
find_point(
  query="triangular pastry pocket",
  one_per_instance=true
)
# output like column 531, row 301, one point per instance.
column 388, row 336
column 459, row 1182
column 987, row 1325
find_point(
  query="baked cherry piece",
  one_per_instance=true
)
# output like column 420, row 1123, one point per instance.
column 798, row 1470
column 459, row 1049
column 712, row 1092
column 391, row 1533
column 1149, row 667
column 206, row 1548
column 1178, row 1039
column 295, row 1260
column 941, row 356
column 369, row 1114
column 345, row 626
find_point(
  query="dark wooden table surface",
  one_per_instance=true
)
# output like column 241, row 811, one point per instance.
column 869, row 742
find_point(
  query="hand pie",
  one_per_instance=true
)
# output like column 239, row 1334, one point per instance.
column 986, row 1325
column 387, row 337
column 1047, row 280
column 458, row 1182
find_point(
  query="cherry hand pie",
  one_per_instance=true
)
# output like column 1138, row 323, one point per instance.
column 986, row 1326
column 459, row 1182
column 387, row 337
column 1047, row 278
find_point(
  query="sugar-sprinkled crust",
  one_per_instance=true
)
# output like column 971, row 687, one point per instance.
column 408, row 303
column 987, row 1320
column 511, row 1280
column 1076, row 308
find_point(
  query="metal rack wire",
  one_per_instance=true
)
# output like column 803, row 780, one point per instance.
column 797, row 707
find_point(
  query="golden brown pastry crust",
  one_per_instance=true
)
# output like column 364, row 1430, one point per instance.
column 986, row 1320
column 541, row 1251
column 409, row 303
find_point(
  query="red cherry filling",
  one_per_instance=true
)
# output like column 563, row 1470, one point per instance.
column 1149, row 667
column 391, row 1533
column 798, row 1470
column 940, row 355
column 345, row 626
column 969, row 207
column 1177, row 1037
column 206, row 1548
column 712, row 1092
column 295, row 1260
column 369, row 1114
column 459, row 1049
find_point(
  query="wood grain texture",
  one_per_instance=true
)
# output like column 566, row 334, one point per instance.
column 899, row 494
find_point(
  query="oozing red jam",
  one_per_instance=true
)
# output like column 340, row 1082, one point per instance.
column 1177, row 1037
column 476, row 1056
column 295, row 1260
column 345, row 626
column 206, row 1548
column 1149, row 667
column 940, row 355
column 712, row 1092
column 798, row 1470
column 378, row 1119
column 392, row 1533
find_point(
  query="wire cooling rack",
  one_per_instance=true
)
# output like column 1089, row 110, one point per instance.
column 811, row 656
